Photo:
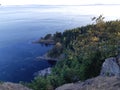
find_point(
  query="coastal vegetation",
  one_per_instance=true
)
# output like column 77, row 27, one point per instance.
column 84, row 48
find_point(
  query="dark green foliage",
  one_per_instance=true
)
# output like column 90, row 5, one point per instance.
column 56, row 51
column 57, row 37
column 1, row 82
column 85, row 50
column 40, row 83
column 48, row 36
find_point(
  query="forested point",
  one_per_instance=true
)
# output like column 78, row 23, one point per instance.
column 85, row 49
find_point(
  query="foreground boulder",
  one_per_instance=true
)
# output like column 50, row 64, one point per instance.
column 111, row 67
column 12, row 86
column 98, row 83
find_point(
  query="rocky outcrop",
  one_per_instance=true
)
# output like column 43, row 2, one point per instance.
column 109, row 78
column 12, row 86
column 46, row 42
column 111, row 67
column 48, row 58
column 43, row 72
column 98, row 83
column 45, row 57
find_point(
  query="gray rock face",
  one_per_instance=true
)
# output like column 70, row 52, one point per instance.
column 12, row 86
column 98, row 83
column 110, row 67
column 43, row 72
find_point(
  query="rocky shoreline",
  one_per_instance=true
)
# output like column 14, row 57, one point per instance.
column 45, row 57
column 44, row 72
column 45, row 41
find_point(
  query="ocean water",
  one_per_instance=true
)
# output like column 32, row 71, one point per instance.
column 20, row 25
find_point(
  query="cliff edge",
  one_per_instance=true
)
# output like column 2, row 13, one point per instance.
column 109, row 78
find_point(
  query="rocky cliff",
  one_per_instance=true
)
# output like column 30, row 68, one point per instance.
column 109, row 78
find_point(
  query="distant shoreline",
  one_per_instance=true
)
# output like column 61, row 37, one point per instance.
column 63, row 5
column 45, row 57
column 46, row 42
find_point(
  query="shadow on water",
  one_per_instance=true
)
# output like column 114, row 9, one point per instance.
column 52, row 63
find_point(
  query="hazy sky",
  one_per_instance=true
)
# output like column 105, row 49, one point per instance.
column 58, row 2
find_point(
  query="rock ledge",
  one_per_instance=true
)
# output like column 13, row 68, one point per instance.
column 12, row 86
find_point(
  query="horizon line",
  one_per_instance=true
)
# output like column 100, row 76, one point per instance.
column 59, row 5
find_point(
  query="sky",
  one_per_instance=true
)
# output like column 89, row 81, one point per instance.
column 58, row 2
